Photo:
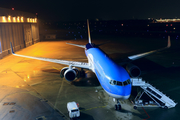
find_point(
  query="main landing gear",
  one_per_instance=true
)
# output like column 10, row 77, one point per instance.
column 82, row 73
column 118, row 105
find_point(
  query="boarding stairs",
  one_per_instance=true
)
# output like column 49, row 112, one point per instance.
column 158, row 97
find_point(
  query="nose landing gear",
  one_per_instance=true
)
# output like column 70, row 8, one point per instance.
column 118, row 105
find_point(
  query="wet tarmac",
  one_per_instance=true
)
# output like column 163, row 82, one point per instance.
column 33, row 89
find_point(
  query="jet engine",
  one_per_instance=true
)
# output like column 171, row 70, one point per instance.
column 69, row 73
column 133, row 70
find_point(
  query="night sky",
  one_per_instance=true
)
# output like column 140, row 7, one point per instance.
column 74, row 10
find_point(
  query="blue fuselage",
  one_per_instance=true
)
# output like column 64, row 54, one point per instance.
column 113, row 78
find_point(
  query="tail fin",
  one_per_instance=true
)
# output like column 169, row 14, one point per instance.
column 88, row 31
column 11, row 48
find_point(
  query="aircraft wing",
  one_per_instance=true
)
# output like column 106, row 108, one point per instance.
column 135, row 57
column 65, row 62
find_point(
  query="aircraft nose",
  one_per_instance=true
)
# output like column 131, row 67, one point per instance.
column 125, row 93
column 125, row 97
column 121, row 97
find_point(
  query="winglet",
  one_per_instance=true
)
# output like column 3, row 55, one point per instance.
column 169, row 42
column 88, row 31
column 11, row 48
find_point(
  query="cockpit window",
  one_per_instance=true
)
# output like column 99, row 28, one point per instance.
column 128, row 81
column 119, row 83
column 114, row 82
column 125, row 83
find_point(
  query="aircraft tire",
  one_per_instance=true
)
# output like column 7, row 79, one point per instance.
column 119, row 107
column 82, row 73
column 135, row 107
column 116, row 107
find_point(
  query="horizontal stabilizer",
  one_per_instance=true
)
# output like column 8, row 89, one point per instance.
column 82, row 46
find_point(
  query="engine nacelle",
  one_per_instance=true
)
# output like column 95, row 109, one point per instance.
column 133, row 70
column 69, row 74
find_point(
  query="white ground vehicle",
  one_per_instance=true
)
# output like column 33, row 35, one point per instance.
column 73, row 109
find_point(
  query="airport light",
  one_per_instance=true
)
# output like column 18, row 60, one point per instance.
column 9, row 18
column 4, row 19
column 97, row 19
column 28, row 76
column 22, row 19
column 14, row 19
column 167, row 20
column 18, row 19
column 28, row 20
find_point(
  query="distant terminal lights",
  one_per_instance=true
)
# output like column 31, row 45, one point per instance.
column 167, row 20
column 17, row 19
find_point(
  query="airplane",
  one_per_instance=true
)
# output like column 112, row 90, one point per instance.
column 114, row 78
